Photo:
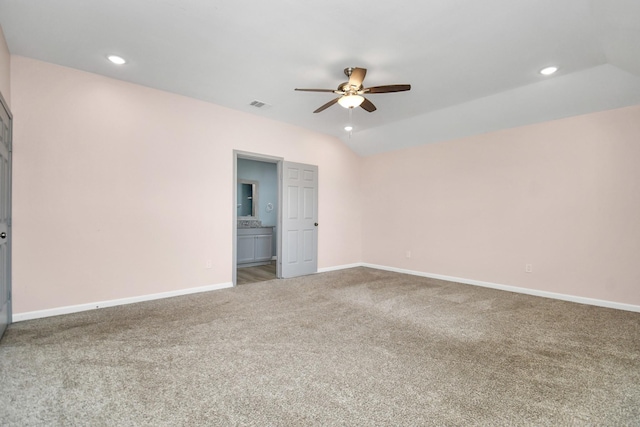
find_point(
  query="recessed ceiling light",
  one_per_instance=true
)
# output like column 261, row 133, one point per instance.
column 348, row 128
column 548, row 71
column 116, row 59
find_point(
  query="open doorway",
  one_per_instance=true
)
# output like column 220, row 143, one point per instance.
column 257, row 198
column 6, row 120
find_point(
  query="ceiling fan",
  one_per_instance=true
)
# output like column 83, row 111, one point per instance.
column 351, row 92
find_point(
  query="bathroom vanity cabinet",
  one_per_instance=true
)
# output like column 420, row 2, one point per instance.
column 254, row 246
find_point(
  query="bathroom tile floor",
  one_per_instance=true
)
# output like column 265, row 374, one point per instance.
column 260, row 273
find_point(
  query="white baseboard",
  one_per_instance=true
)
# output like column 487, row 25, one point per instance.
column 18, row 317
column 527, row 291
column 340, row 267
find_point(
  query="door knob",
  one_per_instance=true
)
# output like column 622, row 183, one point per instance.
column 316, row 224
column 3, row 235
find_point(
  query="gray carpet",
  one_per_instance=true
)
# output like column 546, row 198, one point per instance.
column 354, row 347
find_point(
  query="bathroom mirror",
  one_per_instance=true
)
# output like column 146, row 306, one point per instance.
column 247, row 199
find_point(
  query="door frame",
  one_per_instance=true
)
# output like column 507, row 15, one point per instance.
column 5, row 105
column 238, row 154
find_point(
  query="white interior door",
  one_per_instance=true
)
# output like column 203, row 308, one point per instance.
column 299, row 220
column 5, row 217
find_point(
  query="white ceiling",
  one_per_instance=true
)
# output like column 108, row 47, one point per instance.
column 473, row 65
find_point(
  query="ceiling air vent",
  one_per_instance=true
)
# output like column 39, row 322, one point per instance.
column 260, row 104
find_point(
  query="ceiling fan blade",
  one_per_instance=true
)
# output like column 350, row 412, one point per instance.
column 368, row 105
column 357, row 76
column 387, row 89
column 327, row 105
column 315, row 90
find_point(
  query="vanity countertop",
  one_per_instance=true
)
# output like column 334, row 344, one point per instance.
column 249, row 223
column 255, row 231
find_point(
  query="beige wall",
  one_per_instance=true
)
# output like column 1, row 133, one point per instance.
column 5, row 67
column 122, row 190
column 563, row 196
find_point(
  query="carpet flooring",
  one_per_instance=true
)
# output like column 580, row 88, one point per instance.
column 354, row 347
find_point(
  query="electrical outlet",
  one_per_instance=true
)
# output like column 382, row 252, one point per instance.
column 528, row 268
column 408, row 254
column 209, row 264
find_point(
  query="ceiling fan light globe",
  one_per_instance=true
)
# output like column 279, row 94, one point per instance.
column 351, row 101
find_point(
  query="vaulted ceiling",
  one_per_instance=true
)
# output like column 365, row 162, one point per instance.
column 473, row 65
